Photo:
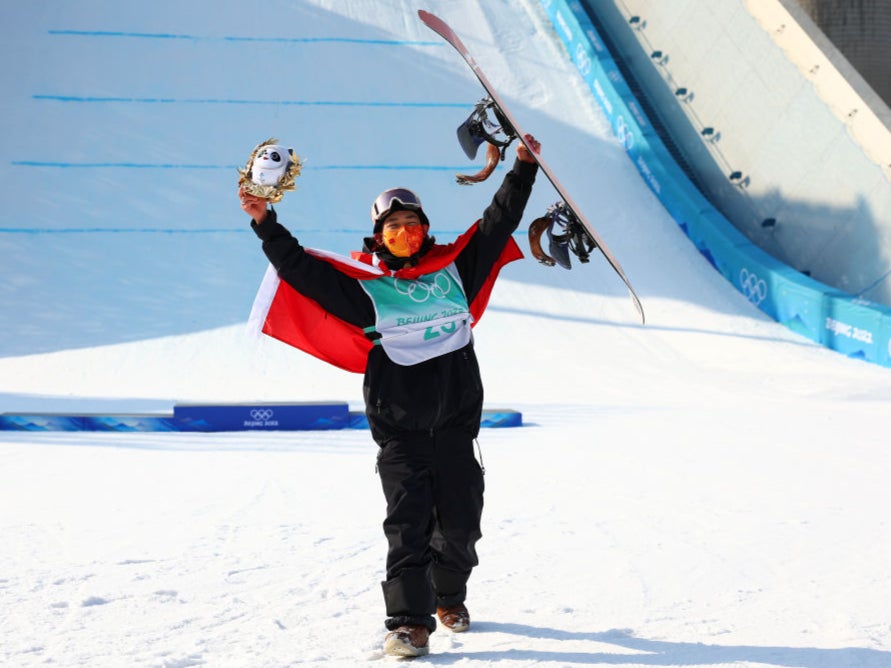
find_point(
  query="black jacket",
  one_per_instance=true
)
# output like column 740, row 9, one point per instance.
column 444, row 392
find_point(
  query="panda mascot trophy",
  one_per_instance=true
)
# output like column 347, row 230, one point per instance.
column 270, row 171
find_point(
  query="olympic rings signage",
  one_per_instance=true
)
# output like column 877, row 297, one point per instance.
column 261, row 417
column 753, row 287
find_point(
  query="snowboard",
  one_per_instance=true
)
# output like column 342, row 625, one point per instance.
column 440, row 27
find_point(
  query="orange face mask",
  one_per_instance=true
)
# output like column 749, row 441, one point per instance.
column 405, row 241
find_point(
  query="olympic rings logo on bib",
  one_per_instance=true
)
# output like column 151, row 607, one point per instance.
column 421, row 291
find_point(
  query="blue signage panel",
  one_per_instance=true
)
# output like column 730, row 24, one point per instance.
column 261, row 417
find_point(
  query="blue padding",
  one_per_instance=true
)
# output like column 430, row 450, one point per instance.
column 129, row 423
column 261, row 417
column 53, row 422
column 502, row 418
column 492, row 418
column 358, row 420
column 28, row 422
column 857, row 328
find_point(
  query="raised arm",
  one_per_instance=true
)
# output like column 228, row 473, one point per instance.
column 337, row 293
column 500, row 219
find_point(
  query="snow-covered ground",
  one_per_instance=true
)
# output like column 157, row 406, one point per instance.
column 707, row 490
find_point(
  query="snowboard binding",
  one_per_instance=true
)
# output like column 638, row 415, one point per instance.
column 566, row 234
column 480, row 128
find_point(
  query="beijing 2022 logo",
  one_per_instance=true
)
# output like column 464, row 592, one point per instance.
column 261, row 417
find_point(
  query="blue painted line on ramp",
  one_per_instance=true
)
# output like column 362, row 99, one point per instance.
column 117, row 230
column 91, row 99
column 247, row 38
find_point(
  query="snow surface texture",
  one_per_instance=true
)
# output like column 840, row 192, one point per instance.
column 708, row 490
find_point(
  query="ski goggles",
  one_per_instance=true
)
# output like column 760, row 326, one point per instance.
column 402, row 198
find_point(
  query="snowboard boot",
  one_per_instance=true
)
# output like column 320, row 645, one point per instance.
column 454, row 617
column 407, row 641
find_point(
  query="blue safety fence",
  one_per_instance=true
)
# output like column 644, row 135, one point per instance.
column 225, row 417
column 855, row 327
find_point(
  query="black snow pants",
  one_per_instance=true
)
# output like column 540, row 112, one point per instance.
column 434, row 490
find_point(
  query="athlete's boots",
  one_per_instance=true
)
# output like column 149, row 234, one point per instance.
column 454, row 617
column 407, row 641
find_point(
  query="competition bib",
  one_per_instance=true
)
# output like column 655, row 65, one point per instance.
column 419, row 319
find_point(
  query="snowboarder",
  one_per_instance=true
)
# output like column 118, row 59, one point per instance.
column 407, row 324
